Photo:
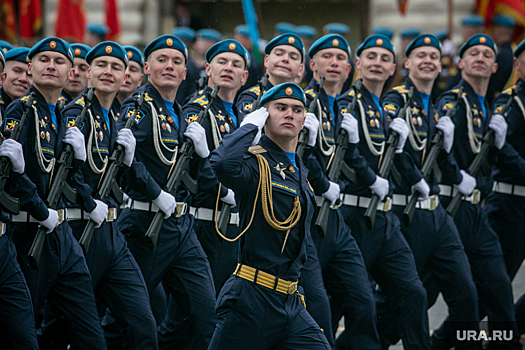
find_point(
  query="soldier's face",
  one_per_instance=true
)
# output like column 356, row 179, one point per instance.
column 424, row 63
column 519, row 65
column 478, row 61
column 79, row 81
column 332, row 63
column 134, row 78
column 16, row 82
column 227, row 70
column 107, row 74
column 50, row 69
column 376, row 64
column 165, row 68
column 285, row 120
column 284, row 61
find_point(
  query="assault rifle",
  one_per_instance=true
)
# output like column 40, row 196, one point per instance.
column 302, row 141
column 178, row 175
column 59, row 186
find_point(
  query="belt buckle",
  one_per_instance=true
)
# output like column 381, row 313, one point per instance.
column 181, row 209
column 387, row 204
column 60, row 215
column 433, row 202
column 475, row 196
column 292, row 288
column 112, row 214
column 2, row 228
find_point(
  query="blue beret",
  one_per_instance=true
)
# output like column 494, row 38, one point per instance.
column 441, row 34
column 184, row 33
column 474, row 20
column 409, row 32
column 286, row 39
column 519, row 49
column 19, row 54
column 242, row 29
column 478, row 39
column 210, row 34
column 286, row 90
column 52, row 44
column 97, row 28
column 328, row 42
column 80, row 50
column 383, row 31
column 423, row 40
column 337, row 28
column 502, row 20
column 228, row 45
column 134, row 54
column 107, row 48
column 166, row 42
column 5, row 46
column 306, row 31
column 284, row 27
column 376, row 40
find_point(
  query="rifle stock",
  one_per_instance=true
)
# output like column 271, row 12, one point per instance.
column 108, row 182
column 175, row 178
column 426, row 169
column 337, row 166
column 386, row 165
column 9, row 203
column 481, row 157
column 302, row 141
column 59, row 180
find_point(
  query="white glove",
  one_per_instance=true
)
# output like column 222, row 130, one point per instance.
column 380, row 187
column 52, row 220
column 422, row 187
column 100, row 213
column 400, row 126
column 499, row 125
column 257, row 118
column 446, row 125
column 229, row 198
column 13, row 150
column 467, row 184
column 351, row 126
column 333, row 193
column 75, row 138
column 127, row 140
column 166, row 203
column 312, row 124
column 197, row 134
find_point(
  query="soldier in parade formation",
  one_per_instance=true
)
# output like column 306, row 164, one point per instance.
column 248, row 213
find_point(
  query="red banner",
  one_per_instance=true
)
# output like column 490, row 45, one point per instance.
column 112, row 20
column 71, row 20
column 402, row 6
column 512, row 8
column 7, row 18
column 30, row 14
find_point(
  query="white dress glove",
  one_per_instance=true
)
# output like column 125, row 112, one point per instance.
column 351, row 126
column 257, row 118
column 499, row 125
column 52, row 220
column 229, row 198
column 446, row 125
column 422, row 187
column 13, row 150
column 197, row 134
column 100, row 213
column 467, row 184
column 75, row 138
column 127, row 140
column 166, row 203
column 380, row 187
column 400, row 126
column 333, row 193
column 312, row 124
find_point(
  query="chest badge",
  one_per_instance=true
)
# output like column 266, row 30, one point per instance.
column 48, row 136
column 42, row 123
column 281, row 170
column 220, row 117
column 414, row 110
column 370, row 113
column 97, row 124
column 227, row 127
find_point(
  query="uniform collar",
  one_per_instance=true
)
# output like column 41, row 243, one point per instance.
column 159, row 101
column 278, row 155
column 5, row 97
column 472, row 94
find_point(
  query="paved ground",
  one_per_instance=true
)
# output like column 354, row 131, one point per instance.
column 438, row 312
